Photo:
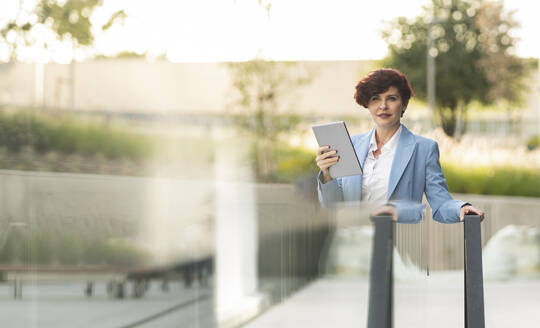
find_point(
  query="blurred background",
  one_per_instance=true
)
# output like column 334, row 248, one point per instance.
column 157, row 159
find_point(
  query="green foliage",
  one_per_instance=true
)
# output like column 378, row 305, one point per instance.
column 292, row 163
column 69, row 21
column 267, row 5
column 59, row 142
column 508, row 82
column 68, row 249
column 68, row 135
column 533, row 142
column 468, row 40
column 262, row 103
column 118, row 16
column 508, row 181
column 123, row 55
column 263, row 91
column 122, row 252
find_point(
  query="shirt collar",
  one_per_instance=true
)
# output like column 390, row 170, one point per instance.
column 391, row 144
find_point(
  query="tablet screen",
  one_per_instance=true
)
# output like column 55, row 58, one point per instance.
column 336, row 136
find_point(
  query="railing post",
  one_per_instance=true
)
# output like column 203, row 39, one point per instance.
column 474, row 280
column 381, row 296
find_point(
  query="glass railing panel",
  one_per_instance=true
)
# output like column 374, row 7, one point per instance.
column 347, row 265
column 90, row 238
column 427, row 275
column 511, row 261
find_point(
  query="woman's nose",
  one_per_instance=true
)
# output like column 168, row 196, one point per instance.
column 383, row 104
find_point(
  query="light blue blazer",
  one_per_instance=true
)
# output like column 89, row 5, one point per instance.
column 415, row 170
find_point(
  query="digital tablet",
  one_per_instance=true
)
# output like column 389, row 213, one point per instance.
column 336, row 136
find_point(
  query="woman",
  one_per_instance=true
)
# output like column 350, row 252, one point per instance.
column 398, row 166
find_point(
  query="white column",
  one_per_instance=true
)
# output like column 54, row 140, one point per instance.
column 236, row 234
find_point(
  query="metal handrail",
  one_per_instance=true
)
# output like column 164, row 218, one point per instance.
column 473, row 276
column 381, row 297
column 381, row 291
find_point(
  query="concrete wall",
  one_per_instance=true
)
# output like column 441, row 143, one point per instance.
column 17, row 84
column 132, row 85
column 138, row 86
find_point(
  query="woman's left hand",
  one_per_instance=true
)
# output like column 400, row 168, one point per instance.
column 468, row 209
column 385, row 210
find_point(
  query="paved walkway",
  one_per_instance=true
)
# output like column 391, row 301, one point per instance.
column 434, row 301
column 63, row 305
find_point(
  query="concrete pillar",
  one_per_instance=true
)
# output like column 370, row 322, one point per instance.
column 236, row 297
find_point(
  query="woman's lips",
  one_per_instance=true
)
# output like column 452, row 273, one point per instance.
column 384, row 115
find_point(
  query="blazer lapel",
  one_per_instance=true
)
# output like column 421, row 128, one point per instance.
column 361, row 147
column 404, row 151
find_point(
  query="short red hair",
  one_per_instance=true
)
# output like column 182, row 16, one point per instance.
column 380, row 80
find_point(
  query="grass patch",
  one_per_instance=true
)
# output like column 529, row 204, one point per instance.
column 60, row 142
column 46, row 133
column 70, row 249
column 510, row 181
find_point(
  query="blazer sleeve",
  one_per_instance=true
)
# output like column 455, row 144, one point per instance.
column 444, row 208
column 407, row 211
column 329, row 193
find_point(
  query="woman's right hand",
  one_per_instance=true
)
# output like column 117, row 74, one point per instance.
column 326, row 158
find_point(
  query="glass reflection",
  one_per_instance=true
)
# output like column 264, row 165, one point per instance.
column 97, row 231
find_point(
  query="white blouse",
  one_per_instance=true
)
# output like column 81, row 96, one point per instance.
column 377, row 171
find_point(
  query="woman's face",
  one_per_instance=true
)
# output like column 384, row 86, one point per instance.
column 385, row 108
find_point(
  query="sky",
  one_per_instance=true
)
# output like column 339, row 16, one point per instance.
column 237, row 30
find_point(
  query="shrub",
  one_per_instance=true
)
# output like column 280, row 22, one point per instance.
column 289, row 164
column 69, row 249
column 68, row 135
column 533, row 142
column 511, row 181
column 293, row 163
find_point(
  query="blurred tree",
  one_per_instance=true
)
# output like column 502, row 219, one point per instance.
column 262, row 93
column 472, row 45
column 128, row 55
column 508, row 79
column 68, row 20
column 267, row 5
